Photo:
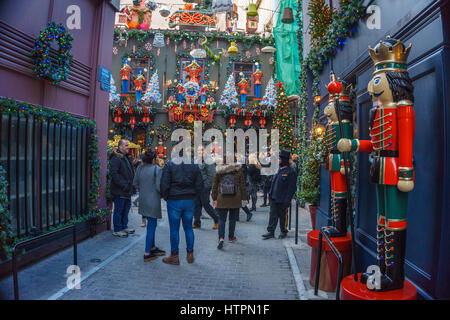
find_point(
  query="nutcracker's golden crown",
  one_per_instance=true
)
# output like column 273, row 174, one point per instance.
column 390, row 55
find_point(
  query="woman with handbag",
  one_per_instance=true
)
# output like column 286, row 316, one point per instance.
column 228, row 193
column 147, row 180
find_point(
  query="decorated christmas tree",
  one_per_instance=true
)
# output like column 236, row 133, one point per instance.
column 6, row 233
column 152, row 93
column 270, row 96
column 283, row 120
column 113, row 95
column 229, row 95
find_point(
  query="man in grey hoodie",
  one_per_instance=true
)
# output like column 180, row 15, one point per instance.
column 203, row 200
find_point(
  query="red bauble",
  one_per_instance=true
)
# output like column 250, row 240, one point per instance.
column 335, row 87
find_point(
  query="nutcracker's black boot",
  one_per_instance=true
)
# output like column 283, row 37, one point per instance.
column 380, row 254
column 395, row 244
column 339, row 227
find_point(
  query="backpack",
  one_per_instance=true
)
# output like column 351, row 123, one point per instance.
column 227, row 185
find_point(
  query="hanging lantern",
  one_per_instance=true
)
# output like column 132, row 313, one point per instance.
column 132, row 122
column 252, row 11
column 262, row 122
column 118, row 119
column 158, row 41
column 248, row 121
column 233, row 49
column 287, row 16
column 232, row 121
column 221, row 6
column 164, row 11
column 146, row 119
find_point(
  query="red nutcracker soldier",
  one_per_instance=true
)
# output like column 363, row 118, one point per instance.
column 139, row 83
column 125, row 71
column 194, row 71
column 257, row 75
column 243, row 85
column 336, row 159
column 392, row 123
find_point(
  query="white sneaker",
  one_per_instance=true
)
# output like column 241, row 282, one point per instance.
column 128, row 230
column 120, row 234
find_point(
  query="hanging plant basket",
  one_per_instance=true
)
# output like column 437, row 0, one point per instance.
column 52, row 68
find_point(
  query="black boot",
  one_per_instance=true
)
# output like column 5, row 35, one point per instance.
column 380, row 254
column 395, row 245
column 339, row 228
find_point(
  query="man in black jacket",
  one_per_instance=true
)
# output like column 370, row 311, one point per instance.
column 122, row 175
column 284, row 185
column 180, row 185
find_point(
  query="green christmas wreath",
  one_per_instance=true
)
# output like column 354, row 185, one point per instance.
column 46, row 66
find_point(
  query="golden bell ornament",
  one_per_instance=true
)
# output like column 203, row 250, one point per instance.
column 252, row 12
column 287, row 16
column 232, row 49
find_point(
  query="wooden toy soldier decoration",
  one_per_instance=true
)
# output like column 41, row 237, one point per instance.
column 125, row 71
column 342, row 92
column 392, row 133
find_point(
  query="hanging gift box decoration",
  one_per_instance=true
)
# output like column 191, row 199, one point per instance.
column 158, row 41
column 232, row 121
column 262, row 122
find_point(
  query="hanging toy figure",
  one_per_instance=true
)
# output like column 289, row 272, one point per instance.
column 139, row 82
column 194, row 71
column 339, row 91
column 125, row 71
column 203, row 91
column 180, row 90
column 391, row 125
column 257, row 75
column 243, row 86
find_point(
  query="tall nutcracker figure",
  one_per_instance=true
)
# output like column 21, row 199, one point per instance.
column 257, row 75
column 243, row 85
column 180, row 90
column 391, row 127
column 139, row 83
column 125, row 71
column 336, row 159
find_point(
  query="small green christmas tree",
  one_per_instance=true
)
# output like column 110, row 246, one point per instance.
column 6, row 233
column 283, row 120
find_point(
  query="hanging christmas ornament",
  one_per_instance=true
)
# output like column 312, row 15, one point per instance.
column 148, row 46
column 262, row 122
column 271, row 60
column 184, row 44
column 175, row 48
column 233, row 49
column 132, row 122
column 232, row 121
column 115, row 51
column 158, row 41
column 247, row 54
column 192, row 46
column 158, row 52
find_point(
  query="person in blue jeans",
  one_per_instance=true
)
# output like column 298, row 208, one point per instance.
column 180, row 184
column 147, row 181
column 122, row 175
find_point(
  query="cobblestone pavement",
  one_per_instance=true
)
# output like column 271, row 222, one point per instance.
column 248, row 269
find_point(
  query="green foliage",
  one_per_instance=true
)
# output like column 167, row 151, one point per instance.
column 6, row 233
column 321, row 17
column 282, row 120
